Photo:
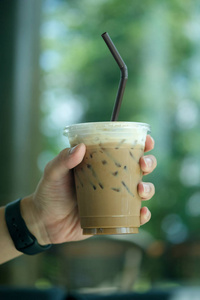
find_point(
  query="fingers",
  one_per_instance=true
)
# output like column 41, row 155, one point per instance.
column 146, row 190
column 67, row 159
column 148, row 163
column 145, row 215
column 149, row 144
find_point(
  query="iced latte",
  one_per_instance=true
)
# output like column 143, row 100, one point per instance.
column 107, row 178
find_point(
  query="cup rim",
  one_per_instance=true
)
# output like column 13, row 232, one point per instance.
column 105, row 126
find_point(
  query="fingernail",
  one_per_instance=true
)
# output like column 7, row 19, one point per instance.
column 73, row 149
column 152, row 139
column 147, row 188
column 147, row 215
column 148, row 162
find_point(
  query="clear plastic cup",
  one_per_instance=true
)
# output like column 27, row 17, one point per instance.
column 107, row 178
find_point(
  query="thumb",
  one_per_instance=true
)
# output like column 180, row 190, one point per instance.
column 75, row 156
column 67, row 159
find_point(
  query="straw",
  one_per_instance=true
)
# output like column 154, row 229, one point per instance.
column 124, row 75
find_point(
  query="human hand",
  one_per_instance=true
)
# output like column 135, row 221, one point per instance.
column 53, row 205
column 51, row 213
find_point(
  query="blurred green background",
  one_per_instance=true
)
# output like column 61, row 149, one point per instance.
column 56, row 70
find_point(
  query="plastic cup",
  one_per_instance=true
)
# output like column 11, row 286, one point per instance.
column 107, row 178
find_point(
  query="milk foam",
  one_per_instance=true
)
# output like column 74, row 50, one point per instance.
column 107, row 132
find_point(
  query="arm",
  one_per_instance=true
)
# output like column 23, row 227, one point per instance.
column 7, row 247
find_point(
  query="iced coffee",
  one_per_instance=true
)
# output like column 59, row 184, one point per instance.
column 107, row 178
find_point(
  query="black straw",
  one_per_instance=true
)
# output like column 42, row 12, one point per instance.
column 124, row 75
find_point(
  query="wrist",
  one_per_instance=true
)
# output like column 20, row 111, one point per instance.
column 33, row 220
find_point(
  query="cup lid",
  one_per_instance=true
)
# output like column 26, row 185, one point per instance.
column 105, row 126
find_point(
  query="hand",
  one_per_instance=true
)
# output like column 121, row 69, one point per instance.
column 51, row 213
column 53, row 205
